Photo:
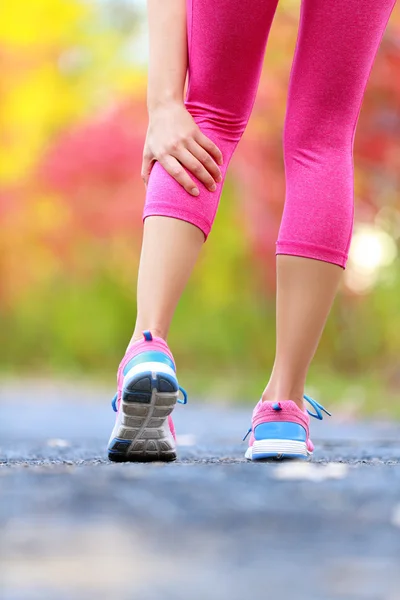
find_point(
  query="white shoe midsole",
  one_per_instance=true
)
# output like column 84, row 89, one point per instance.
column 277, row 447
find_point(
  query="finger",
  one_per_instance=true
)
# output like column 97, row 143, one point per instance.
column 147, row 165
column 205, row 159
column 209, row 146
column 195, row 167
column 175, row 169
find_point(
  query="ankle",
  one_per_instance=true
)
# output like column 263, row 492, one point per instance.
column 155, row 332
column 284, row 392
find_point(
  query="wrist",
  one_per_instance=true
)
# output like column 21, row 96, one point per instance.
column 163, row 100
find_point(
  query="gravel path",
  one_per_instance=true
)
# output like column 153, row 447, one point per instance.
column 209, row 527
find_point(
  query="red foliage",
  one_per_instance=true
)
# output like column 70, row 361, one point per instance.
column 96, row 170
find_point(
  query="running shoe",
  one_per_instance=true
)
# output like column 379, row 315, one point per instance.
column 281, row 430
column 147, row 392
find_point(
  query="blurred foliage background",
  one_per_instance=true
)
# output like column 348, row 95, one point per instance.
column 72, row 125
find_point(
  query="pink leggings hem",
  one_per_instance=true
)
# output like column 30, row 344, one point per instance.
column 305, row 250
column 166, row 210
column 314, row 251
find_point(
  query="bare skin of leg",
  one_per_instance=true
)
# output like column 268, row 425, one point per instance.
column 305, row 292
column 170, row 250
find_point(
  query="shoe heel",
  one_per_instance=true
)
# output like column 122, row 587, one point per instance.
column 142, row 430
column 279, row 439
column 140, row 388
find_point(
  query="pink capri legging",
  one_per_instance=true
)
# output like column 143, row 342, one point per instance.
column 335, row 50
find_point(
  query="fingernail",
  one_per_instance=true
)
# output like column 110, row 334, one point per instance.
column 195, row 191
column 213, row 188
column 219, row 178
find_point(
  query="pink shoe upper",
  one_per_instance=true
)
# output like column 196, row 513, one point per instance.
column 284, row 411
column 155, row 344
column 172, row 427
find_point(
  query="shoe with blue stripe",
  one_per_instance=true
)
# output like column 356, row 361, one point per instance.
column 281, row 430
column 148, row 391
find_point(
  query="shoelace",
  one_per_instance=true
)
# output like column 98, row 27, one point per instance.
column 183, row 400
column 316, row 406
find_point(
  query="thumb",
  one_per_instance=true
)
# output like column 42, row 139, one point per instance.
column 147, row 165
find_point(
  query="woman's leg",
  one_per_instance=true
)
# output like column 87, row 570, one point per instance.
column 226, row 44
column 169, row 252
column 335, row 51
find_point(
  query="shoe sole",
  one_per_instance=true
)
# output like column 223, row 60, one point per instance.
column 279, row 449
column 141, row 432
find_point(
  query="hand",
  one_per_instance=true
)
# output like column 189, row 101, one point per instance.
column 175, row 141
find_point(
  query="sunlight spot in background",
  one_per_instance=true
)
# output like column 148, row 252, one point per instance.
column 310, row 472
column 186, row 439
column 136, row 50
column 372, row 249
column 58, row 443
